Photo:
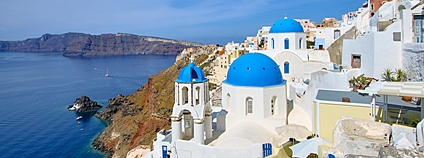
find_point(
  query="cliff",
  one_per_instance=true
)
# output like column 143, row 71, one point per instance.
column 80, row 44
column 135, row 119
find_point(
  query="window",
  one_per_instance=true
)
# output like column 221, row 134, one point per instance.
column 272, row 43
column 286, row 43
column 228, row 101
column 273, row 103
column 356, row 61
column 336, row 34
column 198, row 95
column 396, row 36
column 286, row 67
column 249, row 105
column 185, row 95
column 300, row 43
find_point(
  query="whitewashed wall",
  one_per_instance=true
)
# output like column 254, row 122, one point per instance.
column 187, row 149
column 377, row 49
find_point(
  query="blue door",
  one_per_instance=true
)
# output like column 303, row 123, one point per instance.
column 164, row 151
column 267, row 149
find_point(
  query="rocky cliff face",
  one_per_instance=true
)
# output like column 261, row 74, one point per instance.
column 135, row 119
column 79, row 44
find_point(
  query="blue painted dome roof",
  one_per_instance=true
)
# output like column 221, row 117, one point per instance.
column 254, row 70
column 191, row 73
column 286, row 25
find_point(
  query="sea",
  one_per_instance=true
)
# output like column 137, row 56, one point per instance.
column 36, row 88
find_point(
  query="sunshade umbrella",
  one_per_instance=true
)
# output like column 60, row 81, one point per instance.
column 293, row 131
column 304, row 148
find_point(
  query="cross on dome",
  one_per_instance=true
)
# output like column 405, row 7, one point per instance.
column 191, row 58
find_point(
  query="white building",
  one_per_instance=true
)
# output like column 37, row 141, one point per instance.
column 392, row 48
column 255, row 90
column 256, row 105
column 287, row 47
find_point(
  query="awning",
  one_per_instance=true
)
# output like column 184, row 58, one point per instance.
column 413, row 89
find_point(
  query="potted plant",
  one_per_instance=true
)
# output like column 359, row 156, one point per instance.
column 397, row 75
column 359, row 82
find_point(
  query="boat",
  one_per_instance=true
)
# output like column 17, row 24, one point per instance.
column 79, row 122
column 107, row 73
column 79, row 117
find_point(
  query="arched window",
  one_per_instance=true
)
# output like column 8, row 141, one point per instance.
column 273, row 104
column 228, row 101
column 185, row 95
column 286, row 43
column 300, row 43
column 272, row 43
column 249, row 105
column 286, row 67
column 197, row 95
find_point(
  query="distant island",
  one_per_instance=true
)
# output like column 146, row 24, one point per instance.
column 86, row 45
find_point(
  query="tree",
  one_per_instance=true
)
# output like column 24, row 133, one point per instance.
column 399, row 75
column 387, row 75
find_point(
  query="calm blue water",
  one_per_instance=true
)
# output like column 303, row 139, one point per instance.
column 35, row 89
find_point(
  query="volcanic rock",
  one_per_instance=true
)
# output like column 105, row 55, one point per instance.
column 84, row 104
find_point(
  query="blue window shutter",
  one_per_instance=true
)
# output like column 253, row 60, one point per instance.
column 286, row 43
column 286, row 68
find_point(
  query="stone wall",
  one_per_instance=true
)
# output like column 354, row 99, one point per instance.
column 413, row 61
column 335, row 49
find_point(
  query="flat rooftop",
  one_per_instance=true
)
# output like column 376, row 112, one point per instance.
column 355, row 97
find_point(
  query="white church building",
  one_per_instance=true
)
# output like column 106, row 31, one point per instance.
column 254, row 103
column 287, row 47
column 254, row 100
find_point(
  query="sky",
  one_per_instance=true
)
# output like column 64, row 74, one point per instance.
column 204, row 21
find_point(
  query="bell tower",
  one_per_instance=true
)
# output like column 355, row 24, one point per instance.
column 191, row 115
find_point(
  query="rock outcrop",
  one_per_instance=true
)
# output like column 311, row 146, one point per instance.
column 86, row 45
column 134, row 120
column 336, row 48
column 356, row 136
column 401, row 147
column 84, row 104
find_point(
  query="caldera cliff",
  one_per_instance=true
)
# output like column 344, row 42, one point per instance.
column 86, row 45
column 134, row 120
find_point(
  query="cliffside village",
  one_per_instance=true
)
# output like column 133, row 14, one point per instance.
column 349, row 87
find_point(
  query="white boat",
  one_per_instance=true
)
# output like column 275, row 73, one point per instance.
column 107, row 73
column 79, row 122
column 79, row 117
column 72, row 108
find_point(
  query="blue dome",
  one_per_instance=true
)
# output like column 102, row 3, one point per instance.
column 286, row 25
column 254, row 70
column 191, row 73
